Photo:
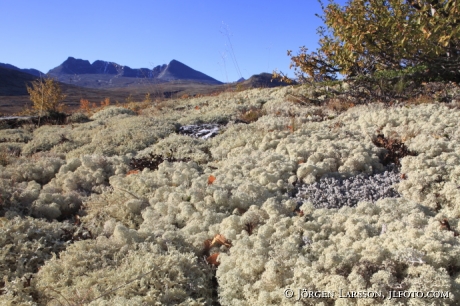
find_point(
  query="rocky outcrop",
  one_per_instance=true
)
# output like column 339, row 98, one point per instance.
column 103, row 67
column 142, row 72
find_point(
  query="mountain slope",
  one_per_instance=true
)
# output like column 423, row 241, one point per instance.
column 178, row 71
column 31, row 71
column 73, row 66
column 13, row 82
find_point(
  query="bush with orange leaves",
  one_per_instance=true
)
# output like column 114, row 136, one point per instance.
column 85, row 105
column 90, row 108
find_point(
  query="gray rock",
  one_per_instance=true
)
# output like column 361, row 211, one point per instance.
column 203, row 131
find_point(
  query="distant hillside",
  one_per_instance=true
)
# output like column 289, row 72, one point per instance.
column 34, row 72
column 261, row 80
column 103, row 74
column 13, row 82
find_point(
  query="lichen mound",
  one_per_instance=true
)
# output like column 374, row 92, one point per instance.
column 121, row 209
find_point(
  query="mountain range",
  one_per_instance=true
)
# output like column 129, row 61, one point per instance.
column 103, row 74
column 109, row 75
column 80, row 79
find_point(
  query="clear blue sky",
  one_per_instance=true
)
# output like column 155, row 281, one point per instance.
column 205, row 35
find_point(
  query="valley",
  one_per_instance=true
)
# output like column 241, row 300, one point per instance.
column 120, row 84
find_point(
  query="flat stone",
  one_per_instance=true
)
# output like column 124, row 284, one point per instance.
column 203, row 131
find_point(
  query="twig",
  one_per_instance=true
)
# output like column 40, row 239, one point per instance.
column 60, row 295
column 115, row 289
column 127, row 192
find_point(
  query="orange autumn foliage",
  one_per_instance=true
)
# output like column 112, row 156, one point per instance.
column 132, row 172
column 211, row 179
column 220, row 239
column 85, row 105
column 212, row 259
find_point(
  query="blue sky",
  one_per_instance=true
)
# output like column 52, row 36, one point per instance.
column 223, row 39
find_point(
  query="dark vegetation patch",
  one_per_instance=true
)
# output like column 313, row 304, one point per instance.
column 153, row 161
column 396, row 150
column 52, row 118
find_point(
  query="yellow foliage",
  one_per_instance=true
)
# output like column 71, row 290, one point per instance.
column 46, row 95
column 363, row 37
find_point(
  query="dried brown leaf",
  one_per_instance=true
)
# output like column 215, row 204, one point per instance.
column 132, row 172
column 207, row 245
column 212, row 259
column 221, row 240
